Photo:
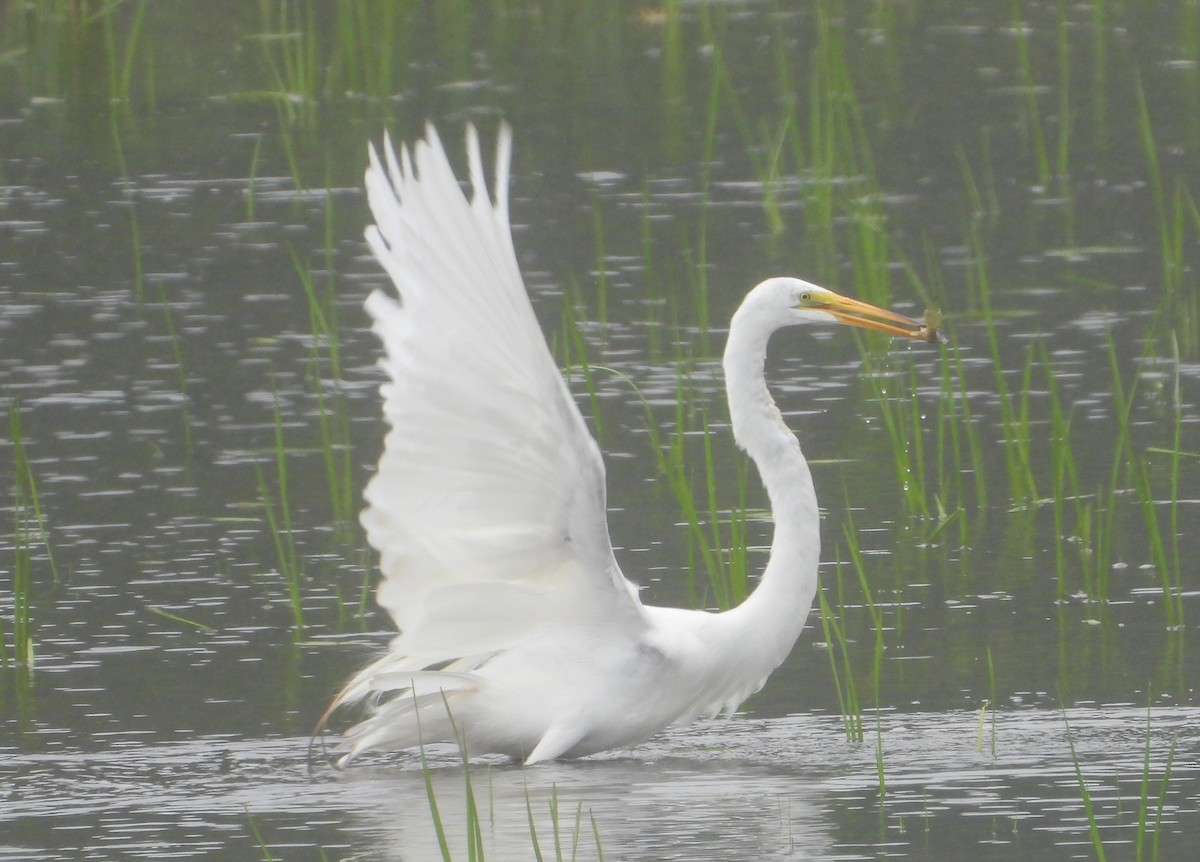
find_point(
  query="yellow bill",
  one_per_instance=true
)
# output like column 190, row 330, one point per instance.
column 856, row 313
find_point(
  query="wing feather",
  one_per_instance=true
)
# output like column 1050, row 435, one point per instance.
column 488, row 506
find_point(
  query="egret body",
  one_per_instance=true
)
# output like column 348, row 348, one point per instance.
column 517, row 628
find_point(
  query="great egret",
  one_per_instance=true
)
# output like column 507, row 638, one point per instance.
column 517, row 628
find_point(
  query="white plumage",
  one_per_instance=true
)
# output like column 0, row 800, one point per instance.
column 488, row 508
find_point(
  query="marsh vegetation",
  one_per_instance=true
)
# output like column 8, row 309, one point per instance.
column 191, row 413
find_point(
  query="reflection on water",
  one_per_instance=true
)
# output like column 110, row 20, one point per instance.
column 775, row 789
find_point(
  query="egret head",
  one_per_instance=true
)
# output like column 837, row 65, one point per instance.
column 787, row 301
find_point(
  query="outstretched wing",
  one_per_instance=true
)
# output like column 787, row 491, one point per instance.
column 488, row 508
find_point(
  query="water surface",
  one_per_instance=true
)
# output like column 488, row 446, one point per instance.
column 988, row 159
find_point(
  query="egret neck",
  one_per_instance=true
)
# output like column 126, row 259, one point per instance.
column 771, row 618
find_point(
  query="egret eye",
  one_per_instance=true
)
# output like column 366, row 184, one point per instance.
column 805, row 297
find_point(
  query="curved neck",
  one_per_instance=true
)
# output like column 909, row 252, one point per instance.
column 768, row 622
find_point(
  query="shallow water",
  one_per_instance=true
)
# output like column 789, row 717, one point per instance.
column 152, row 321
column 720, row 790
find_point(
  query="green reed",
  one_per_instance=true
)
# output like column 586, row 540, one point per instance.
column 992, row 696
column 1064, row 475
column 1014, row 408
column 25, row 489
column 1096, row 519
column 1146, row 841
column 716, row 534
column 904, row 424
column 1174, row 211
column 473, row 830
column 982, row 201
column 431, row 797
column 22, row 586
column 969, row 430
column 870, row 250
column 838, row 147
column 333, row 418
column 252, row 179
column 1032, row 116
column 880, row 766
column 718, row 83
column 1144, row 826
column 652, row 277
column 179, row 618
column 256, row 832
column 1157, row 186
column 1172, row 562
column 1051, row 158
column 135, row 230
column 957, row 450
column 180, row 374
column 1018, row 436
column 573, row 355
column 835, row 627
column 698, row 287
column 290, row 49
column 123, row 63
column 575, row 835
column 1086, row 796
column 1124, row 455
column 770, row 175
column 29, row 531
column 819, row 136
column 1163, row 550
column 278, row 514
column 601, row 264
column 733, row 584
column 1063, row 150
column 368, row 41
column 850, row 533
column 1098, row 72
column 1183, row 307
column 840, row 665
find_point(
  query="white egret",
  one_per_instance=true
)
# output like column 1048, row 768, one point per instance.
column 488, row 507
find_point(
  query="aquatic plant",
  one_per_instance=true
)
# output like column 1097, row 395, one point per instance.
column 1148, row 832
column 278, row 513
column 572, row 349
column 1146, row 827
column 1175, row 210
column 252, row 179
column 1032, row 115
column 368, row 49
column 1086, row 796
column 29, row 533
column 1163, row 551
column 840, row 666
column 958, row 449
column 27, row 498
column 325, row 376
column 905, row 426
column 256, row 832
column 717, row 536
column 472, row 829
column 180, row 374
column 289, row 47
column 22, row 589
column 122, row 63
